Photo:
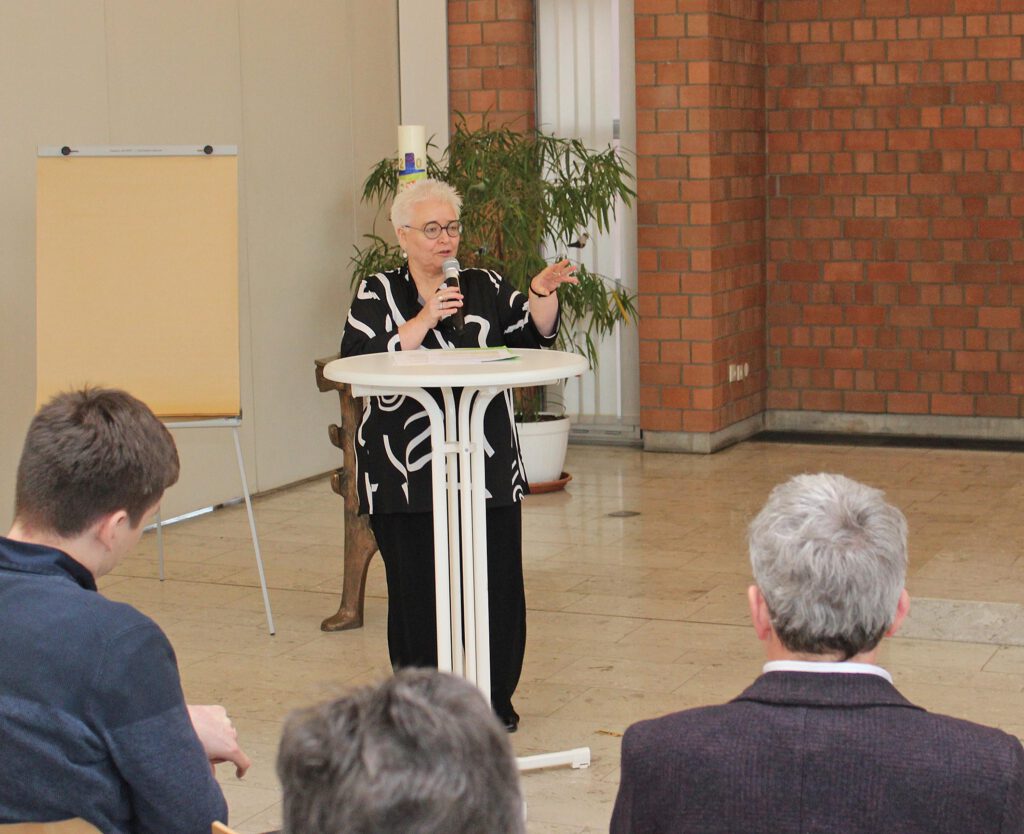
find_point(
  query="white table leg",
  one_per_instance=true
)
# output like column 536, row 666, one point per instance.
column 439, row 483
column 481, row 623
column 466, row 488
column 452, row 469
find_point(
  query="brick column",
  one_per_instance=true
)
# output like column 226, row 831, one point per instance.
column 491, row 61
column 700, row 148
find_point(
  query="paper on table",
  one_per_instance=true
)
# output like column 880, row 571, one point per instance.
column 457, row 356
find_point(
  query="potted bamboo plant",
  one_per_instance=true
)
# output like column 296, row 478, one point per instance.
column 524, row 193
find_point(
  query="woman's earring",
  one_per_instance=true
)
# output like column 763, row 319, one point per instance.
column 405, row 255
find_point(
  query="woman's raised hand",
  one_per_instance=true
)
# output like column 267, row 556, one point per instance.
column 549, row 279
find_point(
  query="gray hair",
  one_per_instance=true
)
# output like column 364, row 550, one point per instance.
column 421, row 752
column 830, row 557
column 423, row 191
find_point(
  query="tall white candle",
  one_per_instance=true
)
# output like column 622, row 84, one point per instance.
column 412, row 154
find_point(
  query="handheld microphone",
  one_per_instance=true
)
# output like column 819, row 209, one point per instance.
column 451, row 278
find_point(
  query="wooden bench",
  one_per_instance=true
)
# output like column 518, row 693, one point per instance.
column 75, row 826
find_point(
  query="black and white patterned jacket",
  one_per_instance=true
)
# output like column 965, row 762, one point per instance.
column 393, row 441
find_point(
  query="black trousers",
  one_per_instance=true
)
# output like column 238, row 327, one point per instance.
column 406, row 543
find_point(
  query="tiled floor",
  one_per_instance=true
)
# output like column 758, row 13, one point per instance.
column 628, row 617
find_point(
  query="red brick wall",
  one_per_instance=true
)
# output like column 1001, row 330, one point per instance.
column 830, row 191
column 700, row 184
column 896, row 192
column 491, row 65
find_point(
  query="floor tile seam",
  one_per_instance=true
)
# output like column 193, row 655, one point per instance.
column 127, row 573
column 642, row 620
column 1001, row 638
column 994, row 647
column 574, row 675
column 247, row 586
column 242, row 822
column 963, row 601
column 226, row 657
column 906, row 674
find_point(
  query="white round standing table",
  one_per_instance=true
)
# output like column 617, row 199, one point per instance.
column 457, row 476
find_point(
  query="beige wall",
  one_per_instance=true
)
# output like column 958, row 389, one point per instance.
column 307, row 89
column 424, row 77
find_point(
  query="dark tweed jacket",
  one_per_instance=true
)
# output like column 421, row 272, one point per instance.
column 810, row 752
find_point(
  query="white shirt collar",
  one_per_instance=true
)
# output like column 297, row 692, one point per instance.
column 844, row 667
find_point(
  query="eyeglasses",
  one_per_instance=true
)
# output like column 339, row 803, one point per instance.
column 432, row 230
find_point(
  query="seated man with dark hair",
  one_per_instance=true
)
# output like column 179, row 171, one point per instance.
column 421, row 753
column 822, row 741
column 93, row 723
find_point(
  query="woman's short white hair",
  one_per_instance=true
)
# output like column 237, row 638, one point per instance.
column 830, row 557
column 422, row 191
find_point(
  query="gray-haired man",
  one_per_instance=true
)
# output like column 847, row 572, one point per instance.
column 822, row 741
column 421, row 753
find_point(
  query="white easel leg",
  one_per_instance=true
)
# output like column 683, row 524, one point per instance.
column 252, row 530
column 160, row 543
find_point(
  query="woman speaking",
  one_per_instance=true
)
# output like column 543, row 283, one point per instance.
column 412, row 308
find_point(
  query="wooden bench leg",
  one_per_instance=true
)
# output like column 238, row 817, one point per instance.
column 360, row 544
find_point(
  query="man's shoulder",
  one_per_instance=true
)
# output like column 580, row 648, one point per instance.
column 122, row 630
column 684, row 745
column 972, row 740
column 687, row 724
column 118, row 638
column 54, row 602
column 123, row 614
column 877, row 708
column 871, row 700
column 110, row 617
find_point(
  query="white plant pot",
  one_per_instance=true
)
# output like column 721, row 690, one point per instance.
column 543, row 446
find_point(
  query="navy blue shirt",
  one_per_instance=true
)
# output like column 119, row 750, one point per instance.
column 93, row 721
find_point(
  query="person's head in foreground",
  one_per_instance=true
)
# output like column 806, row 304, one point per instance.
column 822, row 740
column 94, row 465
column 420, row 753
column 93, row 722
column 829, row 557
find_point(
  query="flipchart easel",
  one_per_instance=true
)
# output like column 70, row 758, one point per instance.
column 137, row 284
